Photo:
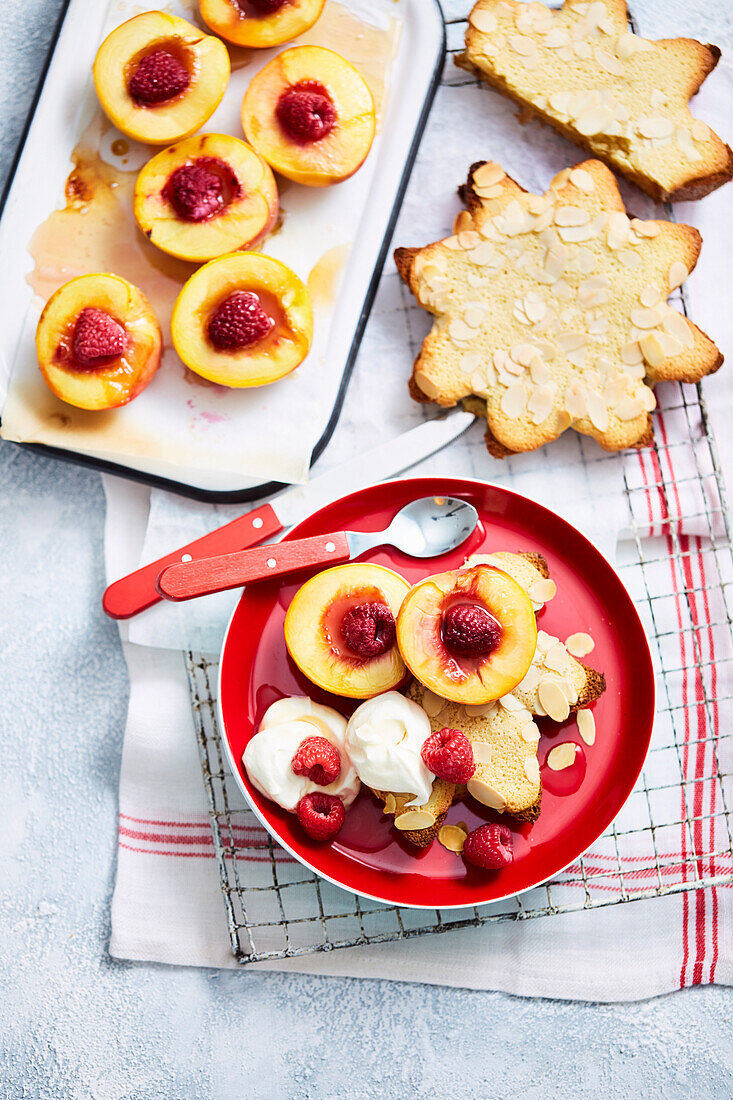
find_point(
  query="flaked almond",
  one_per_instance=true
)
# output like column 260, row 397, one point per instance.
column 561, row 756
column 594, row 121
column 414, row 819
column 571, row 215
column 532, row 769
column 557, row 659
column 582, row 180
column 432, row 704
column 488, row 174
column 482, row 752
column 390, row 804
column 700, row 131
column 530, row 681
column 453, row 837
column 654, row 126
column 646, row 317
column 629, row 258
column 542, row 590
column 628, row 408
column 579, row 644
column 486, row 795
column 484, row 21
column 586, row 726
column 480, row 710
column 677, row 273
column 553, row 700
column 530, row 733
column 424, row 383
column 514, row 400
column 676, row 325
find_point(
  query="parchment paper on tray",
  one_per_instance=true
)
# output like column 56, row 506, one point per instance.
column 182, row 424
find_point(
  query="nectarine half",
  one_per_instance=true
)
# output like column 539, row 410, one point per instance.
column 159, row 78
column 310, row 114
column 243, row 320
column 468, row 635
column 205, row 196
column 260, row 23
column 98, row 342
column 340, row 629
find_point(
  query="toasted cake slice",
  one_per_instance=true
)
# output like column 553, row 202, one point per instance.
column 504, row 738
column 550, row 311
column 620, row 96
column 419, row 824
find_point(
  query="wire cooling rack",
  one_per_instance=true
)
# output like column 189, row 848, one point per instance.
column 673, row 835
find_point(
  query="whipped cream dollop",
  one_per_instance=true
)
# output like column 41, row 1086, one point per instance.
column 384, row 738
column 268, row 756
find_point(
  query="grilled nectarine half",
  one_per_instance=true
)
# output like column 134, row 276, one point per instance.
column 311, row 116
column 260, row 23
column 340, row 629
column 159, row 77
column 98, row 342
column 206, row 196
column 243, row 320
column 468, row 635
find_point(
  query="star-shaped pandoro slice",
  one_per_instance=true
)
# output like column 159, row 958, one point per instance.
column 621, row 97
column 552, row 309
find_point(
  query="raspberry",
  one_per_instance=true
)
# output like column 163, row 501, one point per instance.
column 321, row 814
column 306, row 111
column 194, row 192
column 448, row 755
column 469, row 630
column 317, row 759
column 368, row 629
column 262, row 7
column 239, row 322
column 97, row 337
column 159, row 77
column 489, row 846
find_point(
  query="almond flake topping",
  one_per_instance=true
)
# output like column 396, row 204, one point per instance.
column 553, row 700
column 677, row 273
column 579, row 644
column 483, row 21
column 453, row 837
column 488, row 174
column 414, row 819
column 586, row 726
column 485, row 794
column 561, row 756
column 532, row 769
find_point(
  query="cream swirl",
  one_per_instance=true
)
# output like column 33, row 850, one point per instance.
column 384, row 738
column 269, row 754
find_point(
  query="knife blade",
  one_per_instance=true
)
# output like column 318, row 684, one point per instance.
column 135, row 592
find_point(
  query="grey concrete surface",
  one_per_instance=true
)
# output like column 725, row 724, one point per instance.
column 73, row 1022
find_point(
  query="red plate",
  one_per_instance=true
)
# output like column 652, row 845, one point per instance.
column 369, row 856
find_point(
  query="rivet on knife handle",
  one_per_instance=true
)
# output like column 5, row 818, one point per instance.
column 187, row 580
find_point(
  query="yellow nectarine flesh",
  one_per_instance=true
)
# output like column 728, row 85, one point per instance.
column 496, row 603
column 206, row 196
column 243, row 320
column 310, row 114
column 366, row 598
column 98, row 342
column 159, row 78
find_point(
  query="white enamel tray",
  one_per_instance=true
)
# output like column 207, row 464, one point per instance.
column 206, row 442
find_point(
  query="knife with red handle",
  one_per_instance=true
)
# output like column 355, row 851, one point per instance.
column 133, row 593
column 137, row 591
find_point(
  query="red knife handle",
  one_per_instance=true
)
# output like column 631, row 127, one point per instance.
column 133, row 593
column 187, row 580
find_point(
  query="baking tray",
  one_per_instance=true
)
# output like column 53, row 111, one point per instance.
column 414, row 80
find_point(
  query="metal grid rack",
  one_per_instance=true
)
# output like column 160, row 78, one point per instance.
column 680, row 582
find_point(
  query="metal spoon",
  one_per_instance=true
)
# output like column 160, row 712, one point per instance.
column 425, row 528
